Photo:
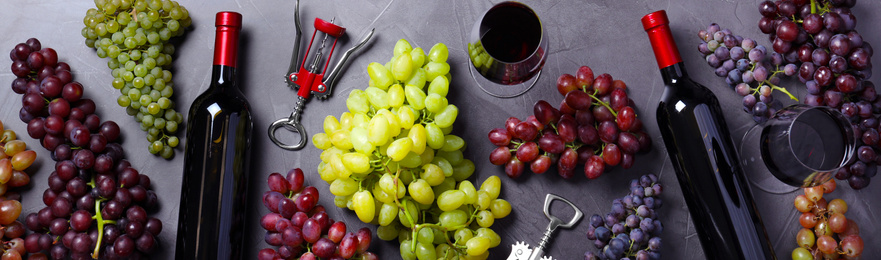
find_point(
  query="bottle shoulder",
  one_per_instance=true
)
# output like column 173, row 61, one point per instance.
column 214, row 101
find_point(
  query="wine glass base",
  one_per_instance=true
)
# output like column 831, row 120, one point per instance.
column 500, row 90
column 754, row 166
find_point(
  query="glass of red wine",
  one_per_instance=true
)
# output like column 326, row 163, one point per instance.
column 800, row 146
column 507, row 48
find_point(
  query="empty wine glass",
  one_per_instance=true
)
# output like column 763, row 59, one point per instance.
column 507, row 48
column 800, row 146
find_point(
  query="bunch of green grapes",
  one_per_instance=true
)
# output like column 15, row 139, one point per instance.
column 134, row 35
column 393, row 161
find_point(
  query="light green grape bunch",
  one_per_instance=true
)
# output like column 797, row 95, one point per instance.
column 134, row 35
column 393, row 160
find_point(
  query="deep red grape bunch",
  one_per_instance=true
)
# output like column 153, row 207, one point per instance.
column 301, row 229
column 595, row 125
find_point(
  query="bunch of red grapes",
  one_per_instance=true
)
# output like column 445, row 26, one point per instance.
column 14, row 160
column 595, row 125
column 826, row 232
column 835, row 65
column 96, row 203
column 301, row 229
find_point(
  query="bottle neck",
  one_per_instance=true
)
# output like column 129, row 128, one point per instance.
column 674, row 73
column 223, row 76
column 226, row 46
column 664, row 46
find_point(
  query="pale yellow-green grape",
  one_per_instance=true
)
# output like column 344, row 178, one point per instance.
column 343, row 187
column 421, row 192
column 443, row 249
column 387, row 232
column 378, row 131
column 438, row 53
column 410, row 209
column 340, row 169
column 402, row 46
column 326, row 154
column 425, row 251
column 425, row 235
column 387, row 184
column 360, row 120
column 448, row 184
column 377, row 97
column 399, row 149
column 412, row 160
column 387, row 214
column 494, row 238
column 340, row 139
column 321, row 141
column 331, row 124
column 440, row 236
column 357, row 103
column 492, row 186
column 477, row 245
column 419, row 137
column 446, row 117
column 406, row 116
column 417, row 55
column 394, row 123
column 427, row 156
column 453, row 218
column 364, row 206
column 462, row 235
column 450, row 200
column 452, row 143
column 485, row 218
column 435, row 103
column 439, row 85
column 396, row 95
column 454, row 157
column 444, row 165
column 327, row 173
column 402, row 67
column 434, row 69
column 407, row 250
column 359, row 140
column 381, row 195
column 432, row 174
column 470, row 192
column 447, row 130
column 342, row 201
column 380, row 75
column 435, row 136
column 483, row 200
column 404, row 234
column 356, row 162
column 415, row 96
column 463, row 170
column 500, row 208
column 346, row 121
column 418, row 78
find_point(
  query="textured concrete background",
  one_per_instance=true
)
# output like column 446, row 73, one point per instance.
column 606, row 35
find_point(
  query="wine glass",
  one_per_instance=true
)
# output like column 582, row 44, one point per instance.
column 800, row 146
column 507, row 48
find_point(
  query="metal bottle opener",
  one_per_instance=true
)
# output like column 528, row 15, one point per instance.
column 521, row 250
column 311, row 80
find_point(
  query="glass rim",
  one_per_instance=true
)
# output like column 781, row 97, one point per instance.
column 541, row 40
column 850, row 139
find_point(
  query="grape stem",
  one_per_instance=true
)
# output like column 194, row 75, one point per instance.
column 593, row 96
column 101, row 223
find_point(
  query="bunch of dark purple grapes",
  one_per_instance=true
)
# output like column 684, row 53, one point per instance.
column 631, row 230
column 596, row 125
column 301, row 229
column 835, row 67
column 748, row 68
column 96, row 204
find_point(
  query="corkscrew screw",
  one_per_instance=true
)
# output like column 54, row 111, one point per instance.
column 311, row 80
column 521, row 250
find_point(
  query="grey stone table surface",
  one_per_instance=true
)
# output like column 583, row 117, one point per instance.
column 603, row 34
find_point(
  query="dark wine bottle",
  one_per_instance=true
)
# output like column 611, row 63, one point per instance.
column 215, row 180
column 699, row 144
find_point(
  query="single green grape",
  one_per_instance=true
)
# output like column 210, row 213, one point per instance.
column 435, row 103
column 343, row 187
column 415, row 96
column 450, row 200
column 356, row 162
column 407, row 252
column 452, row 143
column 500, row 208
column 438, row 53
column 453, row 218
column 485, row 218
column 435, row 136
column 432, row 174
column 173, row 141
column 421, row 192
column 387, row 214
column 378, row 131
column 399, row 149
column 364, row 206
column 425, row 251
column 463, row 170
column 123, row 101
column 494, row 238
column 387, row 232
column 434, row 69
column 446, row 117
column 377, row 97
column 321, row 141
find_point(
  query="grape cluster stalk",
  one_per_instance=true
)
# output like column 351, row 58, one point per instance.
column 393, row 160
column 301, row 229
column 595, row 125
column 816, row 42
column 96, row 204
column 826, row 233
column 15, row 159
column 134, row 35
column 631, row 229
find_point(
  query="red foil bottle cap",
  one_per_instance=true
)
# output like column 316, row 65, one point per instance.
column 231, row 19
column 657, row 26
column 655, row 19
